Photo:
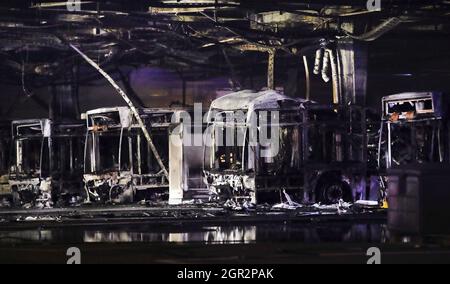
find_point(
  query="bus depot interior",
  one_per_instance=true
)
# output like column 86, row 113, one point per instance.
column 227, row 121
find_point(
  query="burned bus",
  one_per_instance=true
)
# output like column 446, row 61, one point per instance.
column 415, row 129
column 120, row 166
column 237, row 166
column 47, row 163
column 336, row 157
column 312, row 152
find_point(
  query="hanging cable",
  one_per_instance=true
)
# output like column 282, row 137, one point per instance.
column 307, row 79
column 24, row 88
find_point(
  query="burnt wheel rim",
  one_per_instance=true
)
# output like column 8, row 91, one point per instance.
column 334, row 193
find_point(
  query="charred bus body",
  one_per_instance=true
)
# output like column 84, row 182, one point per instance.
column 237, row 165
column 315, row 153
column 335, row 154
column 46, row 162
column 119, row 164
column 415, row 129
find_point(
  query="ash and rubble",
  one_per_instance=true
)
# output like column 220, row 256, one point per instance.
column 193, row 210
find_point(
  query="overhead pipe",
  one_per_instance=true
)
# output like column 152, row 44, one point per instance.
column 378, row 31
column 334, row 75
column 326, row 67
column 326, row 58
column 318, row 61
column 340, row 79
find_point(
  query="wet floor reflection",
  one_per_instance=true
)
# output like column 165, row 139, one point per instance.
column 323, row 233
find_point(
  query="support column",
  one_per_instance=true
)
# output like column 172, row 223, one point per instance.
column 63, row 106
column 353, row 58
column 64, row 100
column 271, row 71
column 177, row 170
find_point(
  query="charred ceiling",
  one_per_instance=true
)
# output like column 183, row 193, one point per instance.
column 190, row 35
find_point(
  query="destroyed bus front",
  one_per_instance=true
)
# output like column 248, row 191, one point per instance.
column 120, row 167
column 415, row 129
column 252, row 150
column 46, row 163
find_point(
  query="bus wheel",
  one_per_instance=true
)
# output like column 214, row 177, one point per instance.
column 333, row 191
column 116, row 193
column 120, row 194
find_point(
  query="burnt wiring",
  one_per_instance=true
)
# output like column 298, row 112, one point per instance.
column 378, row 31
column 142, row 32
column 24, row 88
column 279, row 46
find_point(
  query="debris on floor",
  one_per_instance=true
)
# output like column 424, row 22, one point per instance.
column 249, row 206
column 285, row 206
column 192, row 202
column 186, row 213
column 367, row 204
column 340, row 205
column 339, row 208
column 38, row 219
column 233, row 205
column 288, row 205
